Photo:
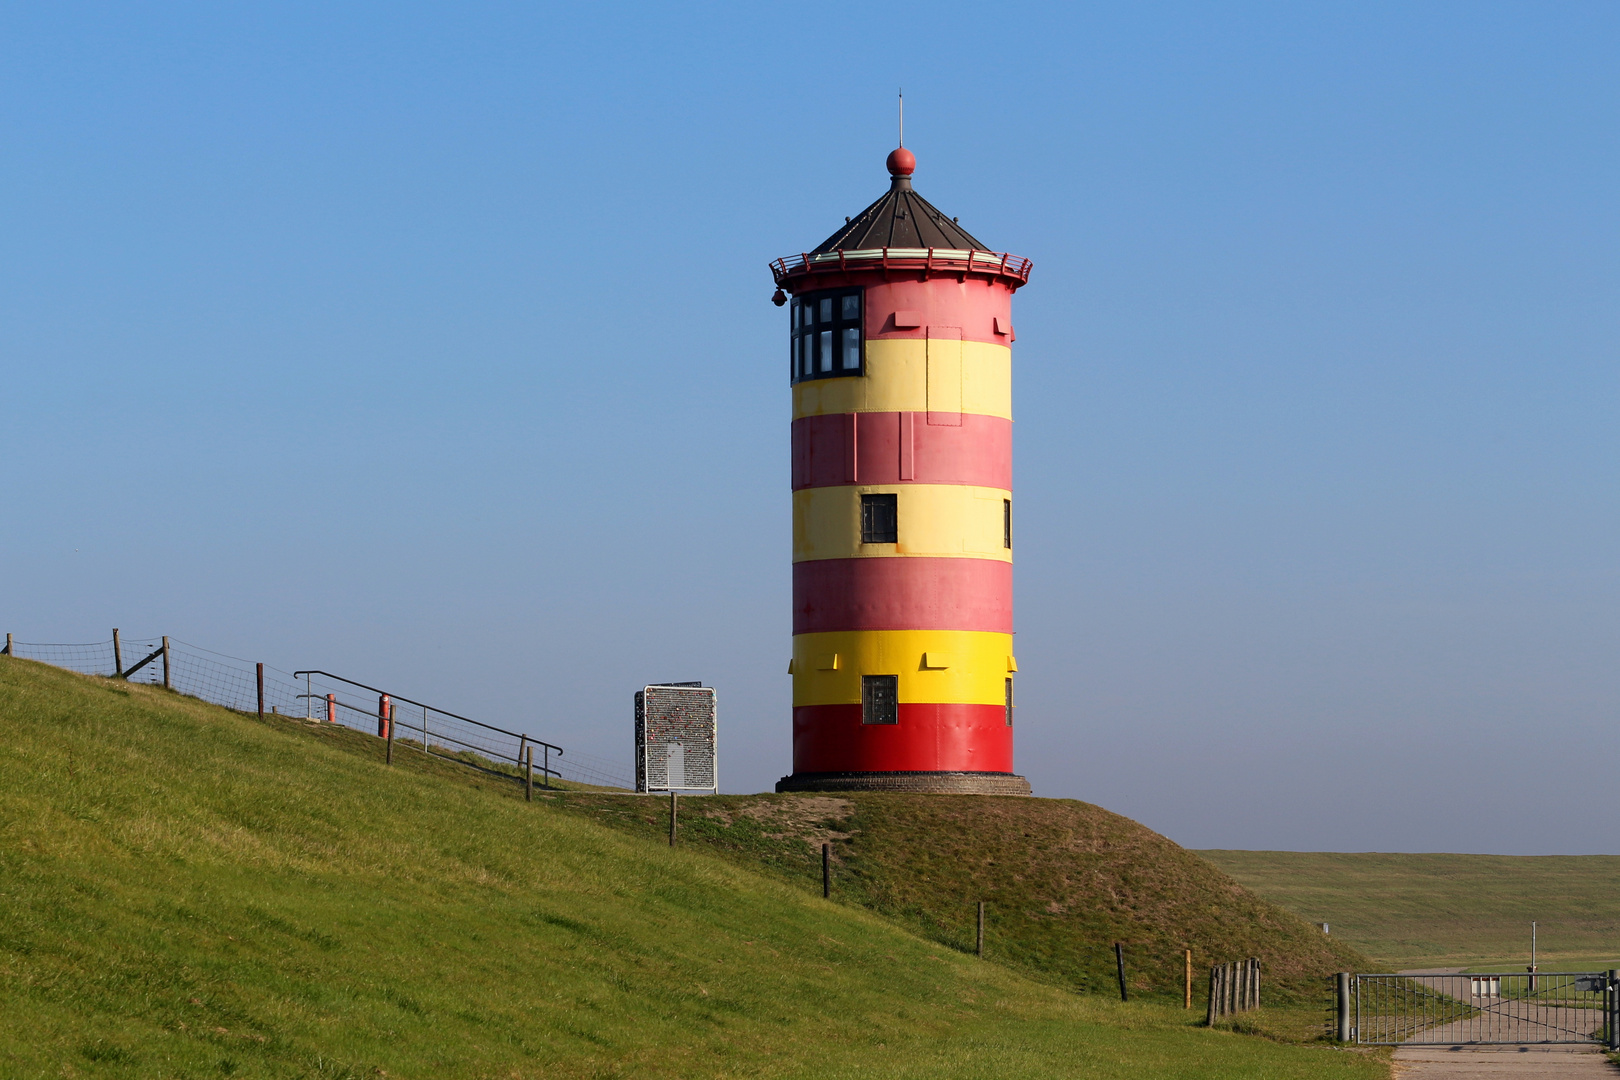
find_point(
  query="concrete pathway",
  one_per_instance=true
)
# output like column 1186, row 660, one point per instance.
column 1502, row 1063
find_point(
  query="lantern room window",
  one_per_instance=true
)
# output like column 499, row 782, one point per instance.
column 825, row 340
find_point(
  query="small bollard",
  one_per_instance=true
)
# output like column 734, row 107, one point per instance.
column 1341, row 1006
column 331, row 708
column 384, row 714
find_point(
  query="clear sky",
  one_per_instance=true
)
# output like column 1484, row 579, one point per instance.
column 433, row 344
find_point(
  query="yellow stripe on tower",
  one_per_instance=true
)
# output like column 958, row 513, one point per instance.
column 964, row 667
column 965, row 376
column 935, row 520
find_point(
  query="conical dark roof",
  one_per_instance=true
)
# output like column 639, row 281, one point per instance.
column 901, row 219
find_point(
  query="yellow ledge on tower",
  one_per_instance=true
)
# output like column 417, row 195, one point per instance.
column 976, row 674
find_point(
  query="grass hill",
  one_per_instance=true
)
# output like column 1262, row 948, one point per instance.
column 1413, row 911
column 189, row 892
column 1063, row 881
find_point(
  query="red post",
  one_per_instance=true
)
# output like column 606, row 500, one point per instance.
column 385, row 716
column 261, row 690
column 331, row 708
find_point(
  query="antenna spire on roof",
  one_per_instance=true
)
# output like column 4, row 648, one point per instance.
column 902, row 116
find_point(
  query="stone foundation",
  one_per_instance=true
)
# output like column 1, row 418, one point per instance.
column 910, row 783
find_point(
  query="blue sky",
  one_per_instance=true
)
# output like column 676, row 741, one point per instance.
column 432, row 344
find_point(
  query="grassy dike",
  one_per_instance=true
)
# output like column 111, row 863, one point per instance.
column 188, row 892
column 1466, row 911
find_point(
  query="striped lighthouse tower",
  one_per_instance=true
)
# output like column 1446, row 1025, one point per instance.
column 901, row 362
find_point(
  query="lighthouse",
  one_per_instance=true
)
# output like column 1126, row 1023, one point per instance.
column 900, row 340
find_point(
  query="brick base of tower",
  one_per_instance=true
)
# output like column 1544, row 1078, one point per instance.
column 909, row 783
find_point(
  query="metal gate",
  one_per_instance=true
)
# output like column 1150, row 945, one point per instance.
column 1480, row 1010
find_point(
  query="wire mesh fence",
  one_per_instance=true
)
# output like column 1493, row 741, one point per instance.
column 318, row 696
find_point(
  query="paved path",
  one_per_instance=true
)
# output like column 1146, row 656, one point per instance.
column 1502, row 1063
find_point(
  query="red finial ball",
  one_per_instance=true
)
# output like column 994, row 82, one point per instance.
column 902, row 162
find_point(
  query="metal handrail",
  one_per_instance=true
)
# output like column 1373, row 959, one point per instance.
column 927, row 259
column 435, row 708
column 544, row 768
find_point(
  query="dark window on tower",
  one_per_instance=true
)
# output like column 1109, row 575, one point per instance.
column 1006, row 523
column 825, row 341
column 1009, row 703
column 880, row 699
column 880, row 519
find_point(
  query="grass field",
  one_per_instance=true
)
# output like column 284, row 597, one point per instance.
column 1468, row 911
column 188, row 892
column 1063, row 881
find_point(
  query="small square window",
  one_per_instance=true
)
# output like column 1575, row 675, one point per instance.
column 880, row 699
column 880, row 519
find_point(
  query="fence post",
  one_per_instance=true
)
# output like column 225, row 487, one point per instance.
column 118, row 656
column 528, row 774
column 168, row 684
column 978, row 947
column 672, row 819
column 826, row 871
column 1210, row 1019
column 390, row 710
column 545, row 762
column 1614, row 1009
column 331, row 708
column 1242, row 985
column 1341, row 1006
column 9, row 650
column 259, row 668
column 1187, row 992
column 1254, row 994
column 1119, row 966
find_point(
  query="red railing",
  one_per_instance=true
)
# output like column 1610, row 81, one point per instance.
column 929, row 260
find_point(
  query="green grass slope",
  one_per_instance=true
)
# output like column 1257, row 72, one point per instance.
column 1412, row 911
column 1063, row 881
column 188, row 892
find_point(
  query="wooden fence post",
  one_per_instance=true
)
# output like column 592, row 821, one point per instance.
column 260, row 668
column 826, row 871
column 978, row 947
column 10, row 650
column 118, row 655
column 168, row 684
column 1119, row 966
column 1210, row 1019
column 672, row 819
column 528, row 774
column 1187, row 992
